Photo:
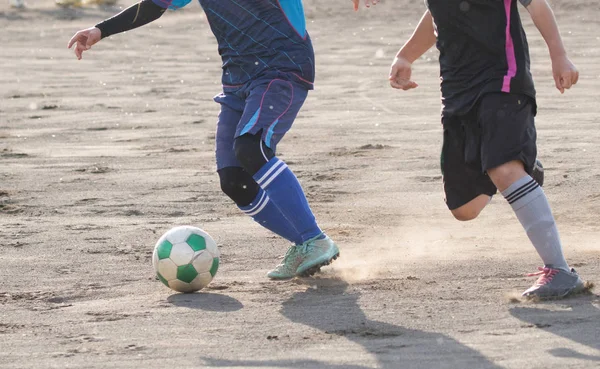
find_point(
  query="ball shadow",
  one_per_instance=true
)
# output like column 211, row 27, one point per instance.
column 206, row 301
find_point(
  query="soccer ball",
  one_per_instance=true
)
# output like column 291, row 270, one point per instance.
column 185, row 259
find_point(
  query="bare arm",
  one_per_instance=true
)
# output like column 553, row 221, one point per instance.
column 564, row 72
column 422, row 39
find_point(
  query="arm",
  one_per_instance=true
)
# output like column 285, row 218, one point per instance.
column 135, row 16
column 422, row 39
column 564, row 72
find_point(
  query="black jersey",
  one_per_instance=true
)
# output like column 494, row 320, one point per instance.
column 483, row 49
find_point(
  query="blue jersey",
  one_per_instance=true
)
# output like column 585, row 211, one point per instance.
column 258, row 36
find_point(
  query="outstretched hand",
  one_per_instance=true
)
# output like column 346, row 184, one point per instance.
column 84, row 40
column 368, row 3
column 400, row 74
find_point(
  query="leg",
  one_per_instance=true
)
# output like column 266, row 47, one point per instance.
column 238, row 184
column 471, row 210
column 509, row 149
column 270, row 111
column 467, row 189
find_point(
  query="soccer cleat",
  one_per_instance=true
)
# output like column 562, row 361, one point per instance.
column 554, row 283
column 315, row 254
column 289, row 265
column 538, row 172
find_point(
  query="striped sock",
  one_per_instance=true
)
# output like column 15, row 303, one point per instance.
column 284, row 190
column 530, row 204
column 265, row 213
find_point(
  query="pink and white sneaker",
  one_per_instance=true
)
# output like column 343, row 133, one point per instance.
column 554, row 283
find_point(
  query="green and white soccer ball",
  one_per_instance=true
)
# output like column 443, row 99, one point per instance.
column 186, row 259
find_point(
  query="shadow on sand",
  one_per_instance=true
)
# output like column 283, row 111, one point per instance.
column 206, row 301
column 578, row 320
column 333, row 309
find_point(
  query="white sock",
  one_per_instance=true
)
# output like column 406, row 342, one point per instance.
column 530, row 204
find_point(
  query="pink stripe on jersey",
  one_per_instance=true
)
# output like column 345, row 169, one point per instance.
column 510, row 50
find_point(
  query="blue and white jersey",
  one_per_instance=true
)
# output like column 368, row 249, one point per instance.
column 258, row 36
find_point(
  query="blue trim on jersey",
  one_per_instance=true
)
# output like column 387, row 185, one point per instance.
column 270, row 133
column 171, row 4
column 251, row 122
column 294, row 12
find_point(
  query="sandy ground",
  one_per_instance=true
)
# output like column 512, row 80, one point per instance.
column 99, row 157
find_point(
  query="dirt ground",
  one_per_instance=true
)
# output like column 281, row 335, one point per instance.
column 99, row 157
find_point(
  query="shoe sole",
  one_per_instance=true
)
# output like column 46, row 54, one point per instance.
column 280, row 278
column 317, row 268
column 574, row 291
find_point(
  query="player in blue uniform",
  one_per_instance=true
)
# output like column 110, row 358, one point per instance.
column 488, row 115
column 268, row 69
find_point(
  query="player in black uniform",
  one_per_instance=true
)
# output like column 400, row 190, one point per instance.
column 488, row 114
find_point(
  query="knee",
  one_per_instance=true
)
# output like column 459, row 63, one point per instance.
column 228, row 183
column 502, row 171
column 472, row 209
column 504, row 175
column 252, row 152
column 238, row 185
column 465, row 215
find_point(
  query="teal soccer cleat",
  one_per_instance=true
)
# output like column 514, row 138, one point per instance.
column 306, row 259
column 289, row 265
column 315, row 254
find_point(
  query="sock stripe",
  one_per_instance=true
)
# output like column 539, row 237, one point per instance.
column 527, row 191
column 283, row 167
column 520, row 190
column 523, row 190
column 517, row 194
column 523, row 195
column 262, row 206
column 266, row 175
column 258, row 203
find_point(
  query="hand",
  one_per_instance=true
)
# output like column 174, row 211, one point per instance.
column 400, row 74
column 367, row 3
column 564, row 72
column 85, row 39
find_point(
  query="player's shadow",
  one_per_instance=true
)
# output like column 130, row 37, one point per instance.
column 206, row 301
column 578, row 321
column 333, row 309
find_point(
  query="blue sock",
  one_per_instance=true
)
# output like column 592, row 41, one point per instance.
column 265, row 213
column 285, row 192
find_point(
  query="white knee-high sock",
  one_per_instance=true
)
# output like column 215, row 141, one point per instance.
column 530, row 204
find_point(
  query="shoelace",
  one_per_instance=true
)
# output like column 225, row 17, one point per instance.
column 308, row 245
column 546, row 275
column 289, row 253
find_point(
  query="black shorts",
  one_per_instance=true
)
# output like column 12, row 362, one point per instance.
column 500, row 128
